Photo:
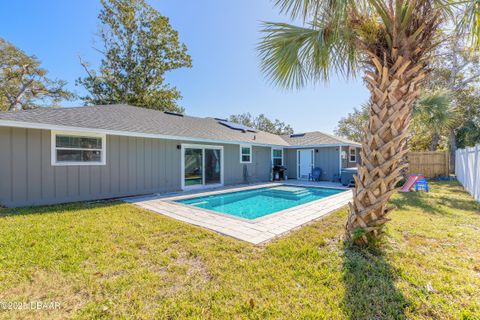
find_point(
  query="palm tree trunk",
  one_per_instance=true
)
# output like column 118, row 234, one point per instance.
column 394, row 88
column 435, row 141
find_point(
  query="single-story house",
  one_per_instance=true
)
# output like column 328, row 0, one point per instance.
column 57, row 155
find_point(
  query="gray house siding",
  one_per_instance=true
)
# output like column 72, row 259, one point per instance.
column 326, row 158
column 133, row 166
column 258, row 170
column 290, row 159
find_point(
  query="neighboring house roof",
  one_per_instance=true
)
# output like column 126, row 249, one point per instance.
column 316, row 138
column 135, row 121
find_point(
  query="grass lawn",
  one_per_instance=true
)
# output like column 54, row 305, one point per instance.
column 115, row 260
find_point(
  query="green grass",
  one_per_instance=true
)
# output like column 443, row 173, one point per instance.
column 115, row 260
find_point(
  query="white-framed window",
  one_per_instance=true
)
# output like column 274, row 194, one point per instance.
column 352, row 154
column 245, row 154
column 76, row 148
column 277, row 157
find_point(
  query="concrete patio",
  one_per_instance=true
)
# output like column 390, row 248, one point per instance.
column 254, row 231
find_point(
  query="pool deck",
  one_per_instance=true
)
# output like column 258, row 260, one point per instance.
column 254, row 231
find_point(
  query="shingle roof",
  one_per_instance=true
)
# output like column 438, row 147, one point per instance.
column 316, row 138
column 131, row 119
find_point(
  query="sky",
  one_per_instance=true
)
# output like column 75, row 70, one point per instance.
column 221, row 36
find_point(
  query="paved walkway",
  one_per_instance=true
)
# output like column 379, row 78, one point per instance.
column 254, row 231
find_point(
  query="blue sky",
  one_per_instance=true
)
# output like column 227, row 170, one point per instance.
column 221, row 37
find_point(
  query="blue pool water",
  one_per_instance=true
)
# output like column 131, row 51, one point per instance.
column 252, row 204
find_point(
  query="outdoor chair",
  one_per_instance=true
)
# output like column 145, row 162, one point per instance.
column 315, row 175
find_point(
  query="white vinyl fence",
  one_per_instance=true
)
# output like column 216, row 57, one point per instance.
column 467, row 169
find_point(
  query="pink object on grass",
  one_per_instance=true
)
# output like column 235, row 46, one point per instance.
column 410, row 183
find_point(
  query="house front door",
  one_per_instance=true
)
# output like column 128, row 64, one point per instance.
column 305, row 163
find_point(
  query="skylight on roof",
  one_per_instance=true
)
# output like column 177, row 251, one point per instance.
column 236, row 126
column 297, row 135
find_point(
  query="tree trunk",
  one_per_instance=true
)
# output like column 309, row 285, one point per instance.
column 16, row 101
column 435, row 141
column 393, row 92
column 452, row 148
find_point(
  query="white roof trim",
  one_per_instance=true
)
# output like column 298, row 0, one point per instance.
column 30, row 125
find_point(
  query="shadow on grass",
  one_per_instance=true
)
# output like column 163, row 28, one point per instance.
column 436, row 204
column 59, row 208
column 461, row 204
column 370, row 292
column 419, row 200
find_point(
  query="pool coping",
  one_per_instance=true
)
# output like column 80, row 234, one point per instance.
column 255, row 231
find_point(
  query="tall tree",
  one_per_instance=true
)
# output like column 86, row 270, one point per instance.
column 391, row 41
column 354, row 124
column 456, row 70
column 24, row 83
column 139, row 47
column 261, row 122
column 468, row 106
column 455, row 73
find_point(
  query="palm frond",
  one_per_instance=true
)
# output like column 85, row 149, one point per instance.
column 470, row 22
column 292, row 55
column 308, row 9
column 435, row 99
column 434, row 111
column 298, row 8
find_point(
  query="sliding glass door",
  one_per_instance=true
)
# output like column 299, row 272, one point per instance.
column 193, row 167
column 212, row 166
column 202, row 166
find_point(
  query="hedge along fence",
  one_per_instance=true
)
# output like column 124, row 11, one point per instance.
column 431, row 164
column 467, row 169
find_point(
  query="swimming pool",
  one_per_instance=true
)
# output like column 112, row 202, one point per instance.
column 256, row 203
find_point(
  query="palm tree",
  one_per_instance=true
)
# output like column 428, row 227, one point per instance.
column 434, row 112
column 390, row 41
